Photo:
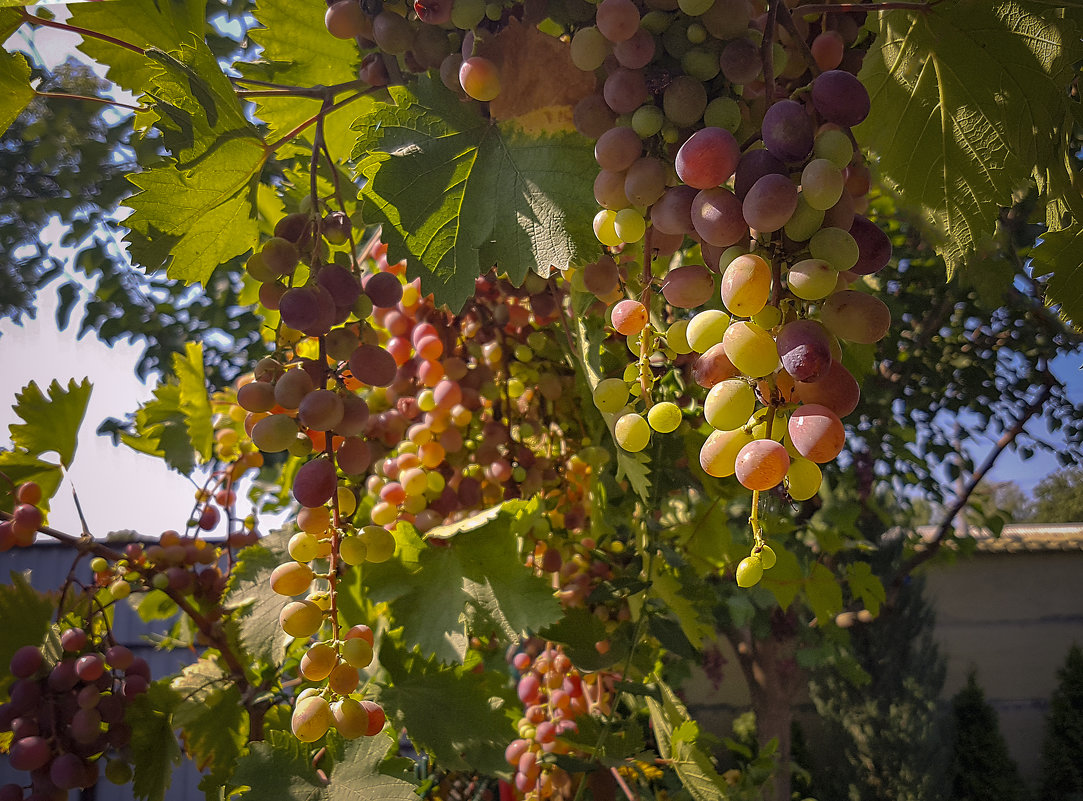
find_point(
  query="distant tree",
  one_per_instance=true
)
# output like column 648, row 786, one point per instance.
column 1058, row 498
column 887, row 736
column 981, row 769
column 1062, row 751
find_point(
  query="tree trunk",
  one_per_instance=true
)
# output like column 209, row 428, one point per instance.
column 775, row 682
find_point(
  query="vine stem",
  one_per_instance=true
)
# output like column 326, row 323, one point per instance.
column 48, row 23
column 273, row 146
column 845, row 8
column 647, row 333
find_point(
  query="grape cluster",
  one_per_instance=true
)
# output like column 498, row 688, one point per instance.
column 777, row 222
column 26, row 518
column 66, row 716
column 554, row 695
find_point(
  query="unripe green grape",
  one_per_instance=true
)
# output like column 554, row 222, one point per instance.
column 656, row 21
column 835, row 246
column 120, row 589
column 706, row 329
column 677, row 339
column 768, row 317
column 751, row 349
column 275, row 433
column 822, row 183
column 589, row 49
column 604, row 228
column 694, row 8
column 804, row 222
column 664, row 417
column 303, row 547
column 300, row 618
column 629, row 225
column 301, row 446
column 352, row 551
column 357, row 652
column 610, row 395
column 803, row 478
column 117, row 771
column 380, row 543
column 648, row 120
column 160, row 581
column 701, row 64
column 632, row 432
column 835, row 146
column 718, row 455
column 749, row 571
column 466, row 14
column 696, row 34
column 723, row 112
column 729, row 404
column 494, row 11
column 812, row 279
column 311, row 718
column 99, row 564
column 767, row 556
column 758, row 422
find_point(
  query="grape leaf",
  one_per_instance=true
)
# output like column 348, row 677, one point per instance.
column 966, row 102
column 471, row 730
column 1060, row 252
column 785, row 579
column 190, row 222
column 693, row 766
column 26, row 614
column 15, row 89
column 195, row 403
column 281, row 769
column 864, row 584
column 153, row 748
column 256, row 607
column 21, row 467
column 580, row 631
column 164, row 24
column 212, row 719
column 695, row 621
column 298, row 51
column 824, row 594
column 50, row 423
column 477, row 579
column 459, row 193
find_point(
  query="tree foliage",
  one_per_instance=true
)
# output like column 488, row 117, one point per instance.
column 981, row 766
column 1062, row 748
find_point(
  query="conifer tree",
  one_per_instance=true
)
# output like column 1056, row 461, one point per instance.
column 1062, row 750
column 981, row 768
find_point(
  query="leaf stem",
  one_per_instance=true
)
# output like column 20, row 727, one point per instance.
column 311, row 120
column 844, row 8
column 103, row 100
column 48, row 23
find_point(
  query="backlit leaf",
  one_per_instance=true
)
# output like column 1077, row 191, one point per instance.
column 15, row 90
column 50, row 423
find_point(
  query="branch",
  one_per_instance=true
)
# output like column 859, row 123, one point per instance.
column 845, row 8
column 103, row 100
column 48, row 23
column 933, row 547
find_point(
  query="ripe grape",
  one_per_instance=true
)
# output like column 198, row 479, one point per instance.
column 787, row 131
column 350, row 718
column 617, row 149
column 373, row 365
column 755, row 164
column 617, row 19
column 588, row 48
column 376, row 717
column 645, row 181
column 874, row 247
column 717, row 217
column 26, row 661
column 684, row 101
column 689, row 286
column 816, row 432
column 629, row 317
column 712, row 366
column 315, row 483
column 625, row 90
column 707, row 158
column 840, row 97
column 805, row 351
column 311, row 718
column 602, row 277
column 770, row 203
column 838, row 390
column 718, row 455
column 321, row 410
column 291, row 578
column 28, row 492
column 856, row 316
column 609, row 190
column 635, row 52
column 345, row 20
column 746, row 285
column 740, row 61
column 762, row 464
column 706, row 329
column 672, row 214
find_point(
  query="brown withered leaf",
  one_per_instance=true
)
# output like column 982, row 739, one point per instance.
column 539, row 84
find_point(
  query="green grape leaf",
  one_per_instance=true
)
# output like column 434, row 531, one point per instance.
column 785, row 579
column 15, row 89
column 1059, row 252
column 474, row 579
column 281, row 769
column 676, row 742
column 580, row 632
column 211, row 717
column 459, row 193
column 255, row 606
column 824, row 594
column 190, row 222
column 472, row 728
column 50, row 423
column 966, row 102
column 10, row 21
column 21, row 467
column 165, row 24
column 26, row 614
column 695, row 621
column 297, row 50
column 153, row 748
column 195, row 403
column 864, row 584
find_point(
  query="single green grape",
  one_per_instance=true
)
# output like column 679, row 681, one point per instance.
column 664, row 417
column 767, row 557
column 611, row 395
column 632, row 432
column 98, row 564
column 749, row 571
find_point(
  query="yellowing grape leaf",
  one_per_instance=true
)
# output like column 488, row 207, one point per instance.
column 966, row 101
column 15, row 90
column 457, row 193
column 676, row 743
column 50, row 423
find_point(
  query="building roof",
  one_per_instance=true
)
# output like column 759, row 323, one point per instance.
column 1020, row 537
